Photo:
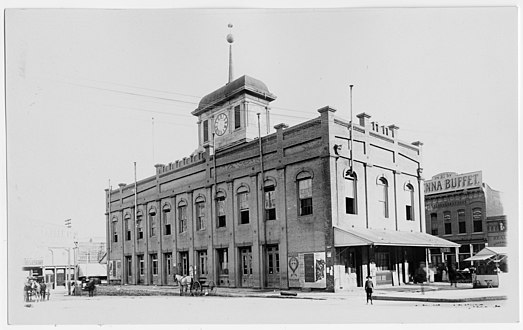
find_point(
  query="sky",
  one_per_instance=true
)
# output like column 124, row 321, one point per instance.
column 90, row 91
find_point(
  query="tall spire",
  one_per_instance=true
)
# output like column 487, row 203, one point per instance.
column 230, row 40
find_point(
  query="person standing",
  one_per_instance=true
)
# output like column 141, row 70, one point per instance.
column 91, row 287
column 369, row 288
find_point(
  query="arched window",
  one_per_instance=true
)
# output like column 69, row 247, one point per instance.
column 200, row 213
column 166, row 209
column 477, row 220
column 243, row 204
column 182, row 216
column 383, row 197
column 409, row 202
column 152, row 221
column 304, row 180
column 127, row 219
column 220, row 209
column 434, row 224
column 448, row 222
column 270, row 199
column 114, row 228
column 350, row 192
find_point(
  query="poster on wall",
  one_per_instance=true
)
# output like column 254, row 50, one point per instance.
column 115, row 270
column 307, row 270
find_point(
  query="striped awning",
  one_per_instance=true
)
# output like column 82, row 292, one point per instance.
column 365, row 236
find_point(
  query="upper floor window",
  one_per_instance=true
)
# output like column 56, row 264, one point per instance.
column 237, row 117
column 350, row 189
column 462, row 226
column 220, row 210
column 115, row 229
column 383, row 200
column 409, row 203
column 434, row 223
column 127, row 219
column 205, row 131
column 152, row 222
column 448, row 224
column 477, row 220
column 182, row 216
column 243, row 204
column 200, row 213
column 270, row 201
column 305, row 193
column 165, row 219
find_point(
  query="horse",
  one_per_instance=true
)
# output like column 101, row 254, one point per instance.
column 184, row 282
column 35, row 291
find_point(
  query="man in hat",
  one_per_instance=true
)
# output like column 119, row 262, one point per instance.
column 369, row 286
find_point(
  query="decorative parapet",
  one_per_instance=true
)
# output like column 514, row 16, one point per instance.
column 184, row 162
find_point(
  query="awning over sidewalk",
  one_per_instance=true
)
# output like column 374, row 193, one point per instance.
column 487, row 253
column 364, row 236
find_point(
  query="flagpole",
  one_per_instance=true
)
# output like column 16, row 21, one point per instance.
column 135, row 267
column 351, row 132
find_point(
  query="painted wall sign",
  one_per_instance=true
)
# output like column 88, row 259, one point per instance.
column 446, row 182
column 307, row 270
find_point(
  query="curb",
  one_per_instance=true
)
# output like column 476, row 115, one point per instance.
column 444, row 300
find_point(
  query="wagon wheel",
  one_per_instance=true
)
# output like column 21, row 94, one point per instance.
column 197, row 288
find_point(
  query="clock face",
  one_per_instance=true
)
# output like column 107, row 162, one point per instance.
column 221, row 124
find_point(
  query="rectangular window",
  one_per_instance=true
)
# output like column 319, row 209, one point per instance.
column 461, row 222
column 154, row 264
column 237, row 117
column 139, row 228
column 167, row 230
column 141, row 265
column 350, row 199
column 127, row 230
column 115, row 232
column 200, row 216
column 448, row 228
column 408, row 212
column 382, row 261
column 129, row 265
column 182, row 217
column 305, row 196
column 434, row 223
column 202, row 257
column 205, row 131
column 477, row 219
column 152, row 225
column 223, row 262
column 168, row 263
column 220, row 211
column 243, row 201
column 270, row 203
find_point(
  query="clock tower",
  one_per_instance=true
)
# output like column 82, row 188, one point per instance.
column 230, row 113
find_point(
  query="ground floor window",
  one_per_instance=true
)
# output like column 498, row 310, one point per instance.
column 273, row 260
column 141, row 265
column 168, row 257
column 223, row 261
column 154, row 264
column 202, row 262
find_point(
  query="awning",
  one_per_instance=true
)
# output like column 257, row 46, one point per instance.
column 365, row 236
column 487, row 253
column 94, row 270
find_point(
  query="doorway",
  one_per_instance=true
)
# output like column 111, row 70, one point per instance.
column 246, row 266
column 272, row 266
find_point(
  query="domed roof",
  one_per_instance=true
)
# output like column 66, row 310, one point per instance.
column 244, row 84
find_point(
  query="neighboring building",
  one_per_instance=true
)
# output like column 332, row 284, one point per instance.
column 463, row 209
column 91, row 251
column 283, row 211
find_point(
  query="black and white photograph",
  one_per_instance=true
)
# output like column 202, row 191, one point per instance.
column 266, row 164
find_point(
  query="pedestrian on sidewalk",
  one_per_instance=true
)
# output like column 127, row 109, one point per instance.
column 369, row 287
column 453, row 276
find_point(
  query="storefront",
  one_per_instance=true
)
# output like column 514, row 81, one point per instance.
column 489, row 266
column 390, row 257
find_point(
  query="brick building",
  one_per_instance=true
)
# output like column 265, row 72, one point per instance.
column 283, row 211
column 463, row 209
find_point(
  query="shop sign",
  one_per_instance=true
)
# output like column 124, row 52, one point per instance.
column 452, row 182
column 307, row 270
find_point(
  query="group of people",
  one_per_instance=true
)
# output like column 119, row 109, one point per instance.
column 77, row 287
column 35, row 290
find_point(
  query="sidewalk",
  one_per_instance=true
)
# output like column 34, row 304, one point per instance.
column 433, row 292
